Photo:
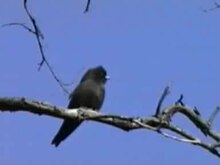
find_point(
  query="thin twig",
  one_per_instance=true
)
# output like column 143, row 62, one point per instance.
column 213, row 115
column 37, row 32
column 19, row 24
column 195, row 109
column 217, row 5
column 165, row 93
column 180, row 101
column 39, row 36
column 87, row 6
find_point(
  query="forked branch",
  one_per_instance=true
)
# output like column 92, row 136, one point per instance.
column 157, row 124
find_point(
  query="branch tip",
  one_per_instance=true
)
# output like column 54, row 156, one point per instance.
column 213, row 116
column 87, row 6
column 180, row 101
column 195, row 109
column 165, row 93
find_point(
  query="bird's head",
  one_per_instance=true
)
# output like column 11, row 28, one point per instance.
column 98, row 74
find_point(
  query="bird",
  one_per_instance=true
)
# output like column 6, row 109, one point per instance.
column 89, row 93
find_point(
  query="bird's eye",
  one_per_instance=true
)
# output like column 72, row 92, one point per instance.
column 107, row 77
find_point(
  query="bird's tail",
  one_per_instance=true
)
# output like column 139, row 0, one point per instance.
column 66, row 129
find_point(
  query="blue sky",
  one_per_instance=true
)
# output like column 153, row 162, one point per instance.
column 143, row 44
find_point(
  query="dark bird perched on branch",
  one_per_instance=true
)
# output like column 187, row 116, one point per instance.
column 90, row 93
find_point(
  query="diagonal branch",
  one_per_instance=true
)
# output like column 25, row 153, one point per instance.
column 165, row 93
column 216, row 6
column 39, row 37
column 213, row 115
column 87, row 6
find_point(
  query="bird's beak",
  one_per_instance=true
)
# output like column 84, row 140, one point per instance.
column 107, row 77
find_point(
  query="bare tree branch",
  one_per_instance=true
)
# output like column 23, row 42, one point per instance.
column 39, row 37
column 165, row 93
column 87, row 6
column 180, row 101
column 121, row 122
column 19, row 24
column 213, row 115
column 193, row 117
column 216, row 6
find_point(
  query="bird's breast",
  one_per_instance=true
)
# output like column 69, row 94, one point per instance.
column 90, row 95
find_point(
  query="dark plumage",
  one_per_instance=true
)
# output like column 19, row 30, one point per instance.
column 89, row 93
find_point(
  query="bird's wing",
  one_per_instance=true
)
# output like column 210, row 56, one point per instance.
column 87, row 94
